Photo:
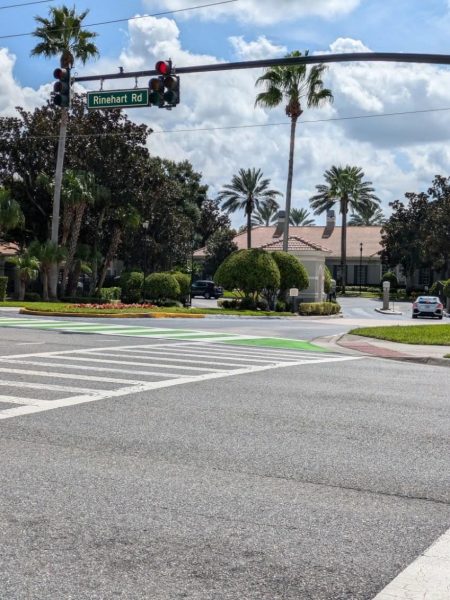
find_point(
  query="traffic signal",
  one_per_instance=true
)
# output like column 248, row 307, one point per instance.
column 62, row 87
column 156, row 96
column 165, row 89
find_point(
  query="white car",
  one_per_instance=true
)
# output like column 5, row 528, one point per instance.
column 427, row 306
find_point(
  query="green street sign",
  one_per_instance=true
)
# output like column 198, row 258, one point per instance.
column 118, row 99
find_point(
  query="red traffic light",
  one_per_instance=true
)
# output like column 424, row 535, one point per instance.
column 62, row 74
column 163, row 67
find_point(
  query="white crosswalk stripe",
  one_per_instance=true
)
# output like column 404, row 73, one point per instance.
column 112, row 372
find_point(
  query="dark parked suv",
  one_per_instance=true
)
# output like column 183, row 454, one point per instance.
column 207, row 289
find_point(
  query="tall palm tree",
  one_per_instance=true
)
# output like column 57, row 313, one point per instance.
column 368, row 216
column 297, row 85
column 265, row 214
column 47, row 254
column 346, row 186
column 62, row 34
column 299, row 217
column 27, row 266
column 11, row 215
column 247, row 191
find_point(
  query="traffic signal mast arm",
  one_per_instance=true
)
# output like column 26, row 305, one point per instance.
column 432, row 59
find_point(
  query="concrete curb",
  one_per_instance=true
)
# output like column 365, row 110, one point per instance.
column 41, row 313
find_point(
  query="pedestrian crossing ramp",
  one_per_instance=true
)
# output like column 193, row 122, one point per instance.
column 41, row 381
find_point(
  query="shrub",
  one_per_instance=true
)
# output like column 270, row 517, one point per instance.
column 131, row 284
column 392, row 278
column 247, row 303
column 32, row 297
column 228, row 304
column 110, row 293
column 401, row 294
column 447, row 288
column 169, row 303
column 184, row 281
column 82, row 300
column 250, row 271
column 280, row 306
column 161, row 286
column 319, row 308
column 3, row 286
column 292, row 273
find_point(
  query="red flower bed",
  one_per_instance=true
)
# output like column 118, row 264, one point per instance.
column 117, row 305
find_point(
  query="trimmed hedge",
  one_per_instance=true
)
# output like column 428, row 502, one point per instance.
column 250, row 271
column 110, row 294
column 3, row 286
column 319, row 308
column 161, row 286
column 184, row 281
column 131, row 284
column 292, row 273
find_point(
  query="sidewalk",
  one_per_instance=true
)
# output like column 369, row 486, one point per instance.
column 382, row 349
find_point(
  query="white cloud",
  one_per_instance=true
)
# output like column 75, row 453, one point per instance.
column 257, row 49
column 263, row 12
column 11, row 93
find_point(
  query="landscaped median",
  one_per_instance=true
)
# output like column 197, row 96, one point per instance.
column 423, row 335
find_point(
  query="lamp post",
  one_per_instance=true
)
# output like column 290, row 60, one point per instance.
column 145, row 226
column 360, row 267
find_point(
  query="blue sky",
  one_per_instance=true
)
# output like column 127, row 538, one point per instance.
column 398, row 154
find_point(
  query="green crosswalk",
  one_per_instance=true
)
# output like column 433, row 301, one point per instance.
column 157, row 333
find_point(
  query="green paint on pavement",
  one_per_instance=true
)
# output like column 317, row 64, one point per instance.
column 284, row 343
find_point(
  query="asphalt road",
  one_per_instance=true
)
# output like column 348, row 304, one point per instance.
column 320, row 480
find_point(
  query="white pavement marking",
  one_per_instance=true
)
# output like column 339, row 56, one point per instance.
column 17, row 400
column 151, row 356
column 83, row 367
column 35, row 406
column 46, row 386
column 77, row 376
column 427, row 578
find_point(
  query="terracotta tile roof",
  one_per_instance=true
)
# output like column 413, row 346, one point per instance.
column 295, row 244
column 319, row 236
column 8, row 249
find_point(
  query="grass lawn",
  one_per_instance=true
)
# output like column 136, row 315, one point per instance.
column 429, row 335
column 55, row 307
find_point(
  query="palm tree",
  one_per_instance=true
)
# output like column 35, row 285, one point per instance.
column 299, row 217
column 47, row 254
column 11, row 215
column 82, row 191
column 247, row 191
column 344, row 185
column 293, row 85
column 27, row 267
column 265, row 214
column 368, row 217
column 62, row 34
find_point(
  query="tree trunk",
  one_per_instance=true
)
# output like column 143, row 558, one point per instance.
column 45, row 285
column 22, row 288
column 115, row 241
column 249, row 230
column 57, row 197
column 73, row 279
column 79, row 212
column 344, row 209
column 67, row 220
column 289, row 184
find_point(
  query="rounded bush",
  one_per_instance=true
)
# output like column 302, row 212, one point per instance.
column 131, row 284
column 161, row 286
column 250, row 271
column 292, row 273
column 184, row 281
column 392, row 278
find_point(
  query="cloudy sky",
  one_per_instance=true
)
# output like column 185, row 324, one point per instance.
column 398, row 153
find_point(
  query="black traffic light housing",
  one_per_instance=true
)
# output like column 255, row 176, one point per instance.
column 62, row 88
column 165, row 89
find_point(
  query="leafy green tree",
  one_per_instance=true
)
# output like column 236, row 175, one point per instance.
column 298, row 86
column 392, row 278
column 47, row 254
column 82, row 264
column 299, row 217
column 265, row 214
column 344, row 186
column 247, row 191
column 11, row 215
column 437, row 226
column 27, row 267
column 219, row 246
column 251, row 271
column 404, row 235
column 292, row 273
column 62, row 34
column 367, row 216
